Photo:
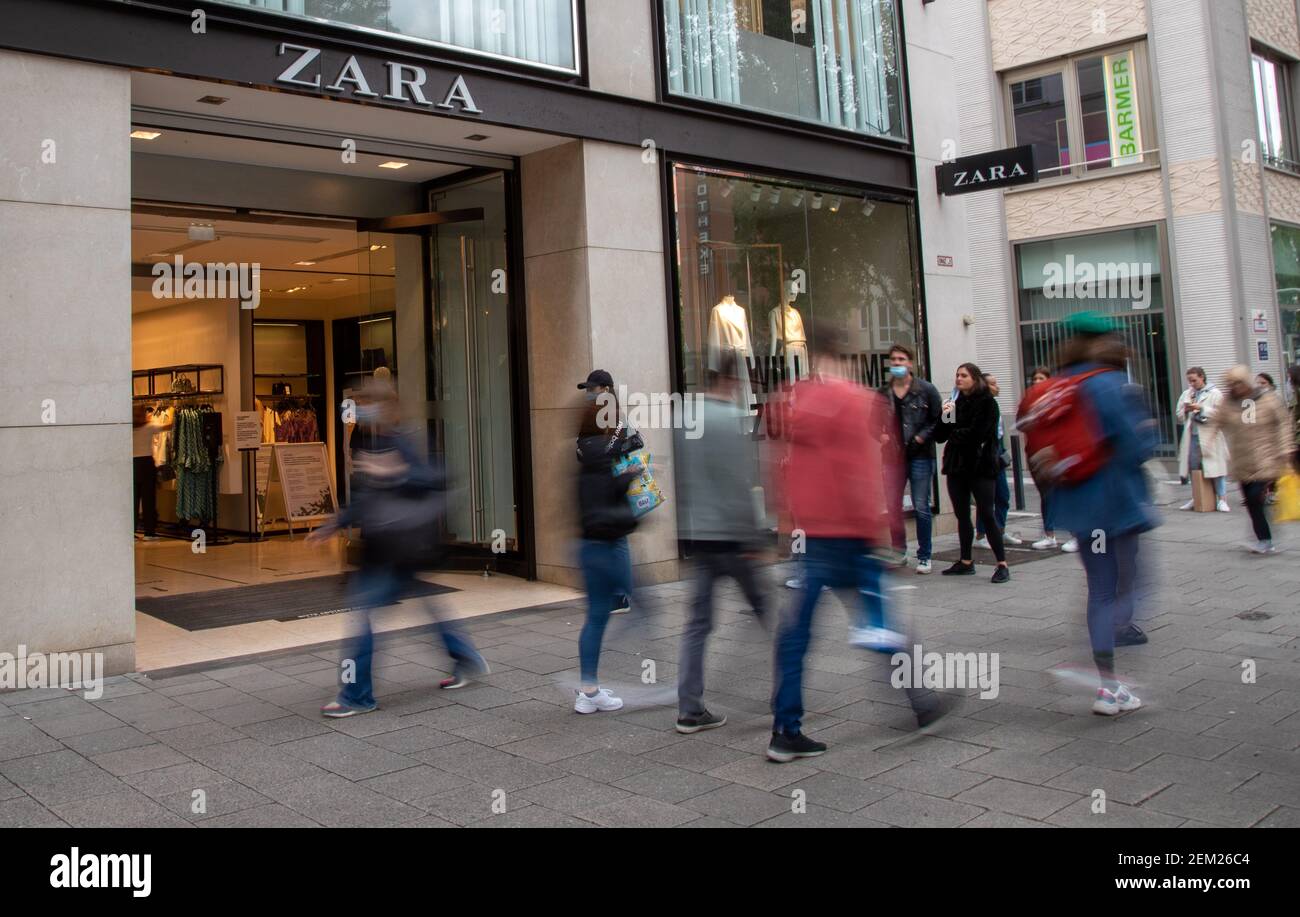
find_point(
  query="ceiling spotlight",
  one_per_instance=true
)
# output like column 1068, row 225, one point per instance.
column 775, row 197
column 304, row 263
column 214, row 100
column 817, row 201
column 868, row 206
column 728, row 186
column 754, row 193
column 145, row 135
column 338, row 280
column 375, row 248
column 393, row 164
column 835, row 205
column 202, row 232
column 798, row 199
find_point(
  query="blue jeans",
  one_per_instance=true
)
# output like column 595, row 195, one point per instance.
column 1001, row 503
column 1112, row 592
column 607, row 573
column 841, row 563
column 920, row 476
column 373, row 587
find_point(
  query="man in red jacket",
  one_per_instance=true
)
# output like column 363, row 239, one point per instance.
column 833, row 497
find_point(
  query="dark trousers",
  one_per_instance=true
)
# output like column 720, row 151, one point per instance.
column 145, row 508
column 713, row 560
column 1001, row 503
column 1256, row 494
column 1112, row 575
column 961, row 490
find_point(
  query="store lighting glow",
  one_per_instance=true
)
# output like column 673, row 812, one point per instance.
column 304, row 263
column 393, row 164
column 375, row 248
column 145, row 135
column 835, row 205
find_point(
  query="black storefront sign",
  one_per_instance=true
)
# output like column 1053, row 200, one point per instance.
column 986, row 171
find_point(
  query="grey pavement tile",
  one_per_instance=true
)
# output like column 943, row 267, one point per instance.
column 297, row 693
column 253, row 764
column 696, row 756
column 338, row 803
column 550, row 747
column 1236, row 810
column 267, row 816
column 16, row 744
column 1110, row 755
column 215, row 699
column 1253, row 757
column 1001, row 795
column 606, row 765
column 572, row 795
column 497, row 732
column 152, row 721
column 212, row 800
column 77, row 724
column 1128, row 788
column 741, row 805
column 412, row 739
column 915, row 810
column 669, row 784
column 197, row 735
column 27, row 813
column 346, row 756
column 836, row 791
column 283, row 729
column 1210, row 776
column 428, row 821
column 531, row 817
column 489, row 766
column 709, row 821
column 1004, row 820
column 188, row 776
column 140, row 758
column 1116, row 815
column 762, row 774
column 1280, row 790
column 821, row 817
column 44, row 766
column 1025, row 767
column 931, row 779
column 415, row 783
column 125, row 808
column 639, row 812
column 116, row 739
column 254, row 711
column 471, row 803
column 1206, row 747
column 1282, row 817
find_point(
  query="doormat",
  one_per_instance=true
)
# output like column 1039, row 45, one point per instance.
column 983, row 557
column 289, row 600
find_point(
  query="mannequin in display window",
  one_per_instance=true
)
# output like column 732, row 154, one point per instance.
column 789, row 342
column 729, row 332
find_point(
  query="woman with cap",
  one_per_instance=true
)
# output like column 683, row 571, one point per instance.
column 607, row 520
column 1256, row 425
column 1109, row 510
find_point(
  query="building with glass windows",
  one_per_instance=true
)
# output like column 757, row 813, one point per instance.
column 1168, row 193
column 478, row 201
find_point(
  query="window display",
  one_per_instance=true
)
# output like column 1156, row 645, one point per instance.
column 1286, row 268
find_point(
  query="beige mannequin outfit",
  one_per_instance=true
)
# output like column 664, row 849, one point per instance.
column 789, row 341
column 729, row 331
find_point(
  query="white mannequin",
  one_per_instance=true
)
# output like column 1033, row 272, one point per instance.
column 729, row 331
column 789, row 340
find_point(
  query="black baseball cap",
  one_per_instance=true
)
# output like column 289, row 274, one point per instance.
column 596, row 378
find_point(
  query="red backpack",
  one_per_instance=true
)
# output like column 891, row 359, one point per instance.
column 1063, row 441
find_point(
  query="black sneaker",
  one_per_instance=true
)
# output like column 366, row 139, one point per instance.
column 698, row 722
column 785, row 748
column 1001, row 574
column 959, row 569
column 930, row 715
column 1130, row 636
column 622, row 605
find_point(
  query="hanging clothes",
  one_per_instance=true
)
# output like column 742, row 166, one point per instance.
column 296, row 424
column 196, row 472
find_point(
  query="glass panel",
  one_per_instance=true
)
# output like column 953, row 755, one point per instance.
column 1112, row 131
column 471, row 362
column 1118, row 273
column 1286, row 264
column 534, row 31
column 1272, row 111
column 831, row 61
column 1038, row 109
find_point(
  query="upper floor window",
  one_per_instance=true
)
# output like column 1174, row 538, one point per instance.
column 1274, row 111
column 1084, row 114
column 539, row 32
column 834, row 63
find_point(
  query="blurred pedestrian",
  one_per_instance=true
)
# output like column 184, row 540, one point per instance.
column 1255, row 423
column 607, row 519
column 1048, row 541
column 969, row 426
column 717, row 474
column 1107, row 505
column 917, row 408
column 1202, row 448
column 1001, row 492
column 1293, row 374
column 398, row 500
column 833, row 485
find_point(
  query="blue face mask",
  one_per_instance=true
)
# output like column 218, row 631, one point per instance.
column 898, row 372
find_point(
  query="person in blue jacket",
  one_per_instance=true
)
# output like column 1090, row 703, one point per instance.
column 1109, row 511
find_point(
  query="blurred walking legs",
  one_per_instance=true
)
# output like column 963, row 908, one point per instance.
column 607, row 573
column 714, row 559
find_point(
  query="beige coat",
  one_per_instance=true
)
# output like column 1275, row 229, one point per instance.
column 1259, row 435
column 1214, row 448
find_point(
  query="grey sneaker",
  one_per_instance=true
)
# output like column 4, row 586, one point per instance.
column 698, row 722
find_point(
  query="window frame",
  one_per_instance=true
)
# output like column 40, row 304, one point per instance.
column 1287, row 67
column 1068, row 69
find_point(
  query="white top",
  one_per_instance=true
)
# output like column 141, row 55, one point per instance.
column 728, row 330
column 787, row 327
column 142, row 436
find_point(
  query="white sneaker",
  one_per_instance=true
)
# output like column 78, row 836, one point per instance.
column 1222, row 506
column 795, row 583
column 1012, row 539
column 1071, row 546
column 1121, row 700
column 982, row 541
column 1046, row 543
column 922, row 567
column 1188, row 505
column 604, row 700
column 1263, row 547
column 875, row 638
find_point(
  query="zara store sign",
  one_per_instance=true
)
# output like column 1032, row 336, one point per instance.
column 304, row 67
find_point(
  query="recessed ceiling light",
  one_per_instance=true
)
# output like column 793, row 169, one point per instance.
column 477, row 137
column 214, row 100
column 393, row 164
column 375, row 248
column 304, row 263
column 339, row 280
column 158, row 255
column 145, row 135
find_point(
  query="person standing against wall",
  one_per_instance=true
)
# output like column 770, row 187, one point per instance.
column 917, row 409
column 1202, row 449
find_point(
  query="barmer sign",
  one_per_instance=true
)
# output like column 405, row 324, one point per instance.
column 403, row 82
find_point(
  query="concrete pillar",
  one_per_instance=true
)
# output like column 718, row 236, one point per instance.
column 65, row 420
column 593, row 257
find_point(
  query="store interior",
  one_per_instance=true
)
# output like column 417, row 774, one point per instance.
column 243, row 395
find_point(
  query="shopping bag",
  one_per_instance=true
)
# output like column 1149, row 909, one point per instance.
column 1287, row 508
column 643, row 494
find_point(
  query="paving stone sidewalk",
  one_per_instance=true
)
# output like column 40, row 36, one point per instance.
column 1207, row 749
